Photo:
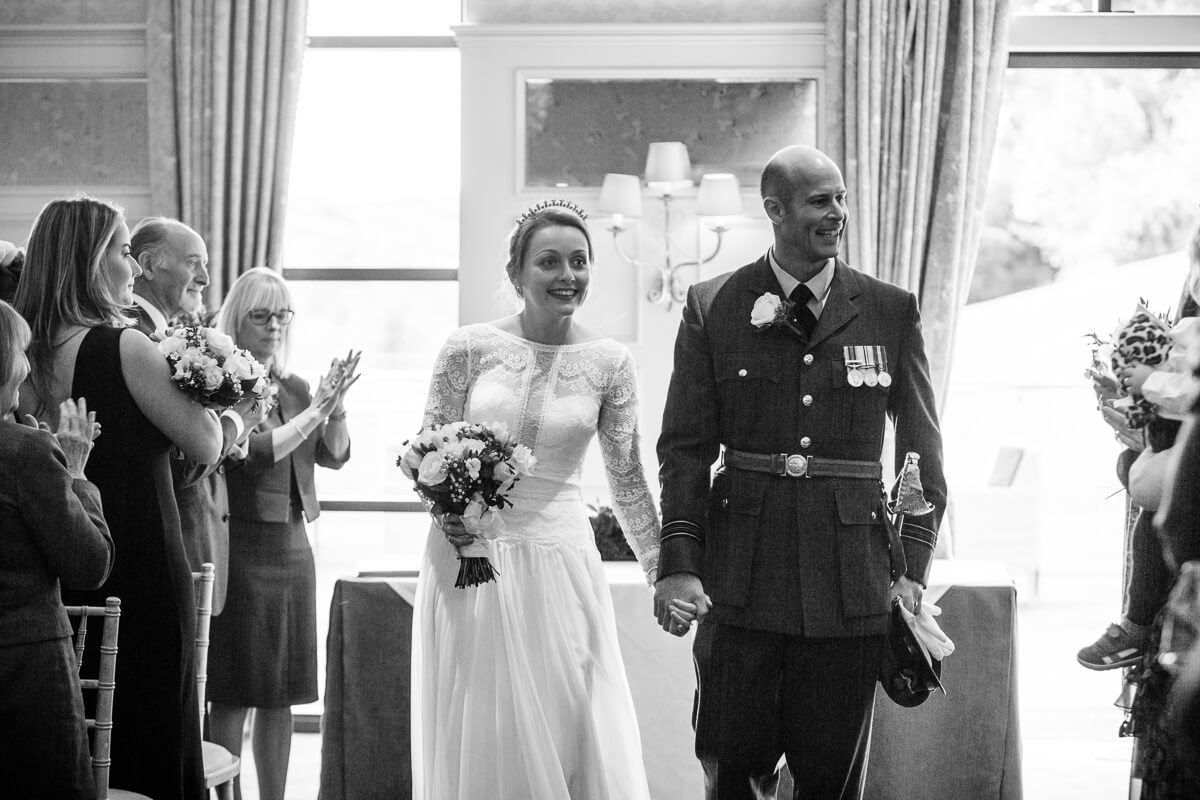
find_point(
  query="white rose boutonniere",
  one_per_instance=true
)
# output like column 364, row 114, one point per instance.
column 768, row 309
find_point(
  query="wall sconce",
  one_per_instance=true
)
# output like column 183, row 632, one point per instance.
column 668, row 174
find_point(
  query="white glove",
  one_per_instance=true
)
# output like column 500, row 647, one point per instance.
column 929, row 635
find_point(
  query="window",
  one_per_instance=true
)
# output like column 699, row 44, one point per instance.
column 370, row 250
column 1091, row 198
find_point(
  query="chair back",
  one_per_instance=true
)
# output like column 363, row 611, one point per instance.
column 203, row 581
column 103, row 684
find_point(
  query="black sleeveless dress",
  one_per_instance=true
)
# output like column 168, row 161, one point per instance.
column 156, row 730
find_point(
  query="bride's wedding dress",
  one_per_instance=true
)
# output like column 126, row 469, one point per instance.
column 518, row 686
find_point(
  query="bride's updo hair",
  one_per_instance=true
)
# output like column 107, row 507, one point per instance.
column 545, row 214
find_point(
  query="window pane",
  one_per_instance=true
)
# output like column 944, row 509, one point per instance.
column 400, row 327
column 1093, row 169
column 375, row 166
column 382, row 17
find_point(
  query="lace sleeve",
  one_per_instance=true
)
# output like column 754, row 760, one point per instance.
column 619, row 445
column 447, row 398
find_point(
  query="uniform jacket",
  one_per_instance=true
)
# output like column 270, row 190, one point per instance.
column 202, row 499
column 52, row 529
column 810, row 556
column 261, row 489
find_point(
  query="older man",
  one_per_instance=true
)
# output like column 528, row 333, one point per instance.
column 174, row 262
column 788, row 369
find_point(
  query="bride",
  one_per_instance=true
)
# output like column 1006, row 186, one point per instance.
column 518, row 690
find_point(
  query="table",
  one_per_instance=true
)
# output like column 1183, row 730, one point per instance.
column 964, row 744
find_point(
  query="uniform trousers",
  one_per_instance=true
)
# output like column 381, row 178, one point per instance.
column 761, row 695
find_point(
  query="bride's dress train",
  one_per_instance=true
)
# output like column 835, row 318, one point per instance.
column 519, row 690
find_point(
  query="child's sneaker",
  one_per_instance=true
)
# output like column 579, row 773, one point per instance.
column 1116, row 648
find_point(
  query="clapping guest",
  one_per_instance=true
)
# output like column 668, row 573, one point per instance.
column 54, row 532
column 264, row 645
column 77, row 284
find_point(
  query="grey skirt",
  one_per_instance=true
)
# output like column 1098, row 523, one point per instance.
column 263, row 651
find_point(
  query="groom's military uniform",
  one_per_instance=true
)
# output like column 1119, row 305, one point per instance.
column 790, row 535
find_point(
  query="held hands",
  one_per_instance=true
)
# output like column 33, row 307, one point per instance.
column 77, row 430
column 679, row 600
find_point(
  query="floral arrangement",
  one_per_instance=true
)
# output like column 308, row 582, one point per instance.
column 468, row 469
column 1144, row 338
column 208, row 367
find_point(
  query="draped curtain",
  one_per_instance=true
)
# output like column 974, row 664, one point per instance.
column 224, row 80
column 914, row 95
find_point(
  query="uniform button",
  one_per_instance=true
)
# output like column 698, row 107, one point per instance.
column 806, row 443
column 725, row 502
column 741, row 373
column 808, row 358
column 807, row 399
column 224, row 518
column 874, row 515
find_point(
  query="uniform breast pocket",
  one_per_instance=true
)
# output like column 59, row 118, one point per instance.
column 859, row 410
column 862, row 541
column 748, row 389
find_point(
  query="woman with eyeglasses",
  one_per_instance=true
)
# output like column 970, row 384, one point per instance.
column 75, row 292
column 263, row 651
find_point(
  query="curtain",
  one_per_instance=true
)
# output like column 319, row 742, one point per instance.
column 914, row 96
column 224, row 81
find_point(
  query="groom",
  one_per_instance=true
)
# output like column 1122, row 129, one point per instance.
column 787, row 370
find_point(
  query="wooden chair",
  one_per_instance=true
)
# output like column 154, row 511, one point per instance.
column 104, row 685
column 221, row 767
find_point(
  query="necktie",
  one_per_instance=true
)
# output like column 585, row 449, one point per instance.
column 802, row 316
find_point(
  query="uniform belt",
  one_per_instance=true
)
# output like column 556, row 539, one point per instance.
column 798, row 466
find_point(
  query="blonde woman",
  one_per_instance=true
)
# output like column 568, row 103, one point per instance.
column 264, row 644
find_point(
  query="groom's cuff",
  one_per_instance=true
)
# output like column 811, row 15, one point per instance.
column 681, row 548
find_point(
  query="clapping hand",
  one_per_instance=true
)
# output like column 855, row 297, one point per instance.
column 77, row 430
column 332, row 388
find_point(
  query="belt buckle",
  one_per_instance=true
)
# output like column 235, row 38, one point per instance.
column 796, row 466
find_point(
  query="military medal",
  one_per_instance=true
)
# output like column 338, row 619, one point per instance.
column 885, row 377
column 850, row 357
column 870, row 376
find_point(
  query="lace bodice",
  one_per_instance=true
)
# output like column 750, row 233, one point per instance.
column 553, row 398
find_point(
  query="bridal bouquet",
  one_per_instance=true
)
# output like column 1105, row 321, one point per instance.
column 1144, row 338
column 208, row 367
column 468, row 469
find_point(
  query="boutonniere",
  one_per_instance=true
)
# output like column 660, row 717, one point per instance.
column 771, row 311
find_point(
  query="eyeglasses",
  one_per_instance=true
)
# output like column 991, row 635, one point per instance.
column 261, row 316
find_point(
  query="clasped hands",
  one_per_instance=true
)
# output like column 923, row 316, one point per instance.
column 679, row 600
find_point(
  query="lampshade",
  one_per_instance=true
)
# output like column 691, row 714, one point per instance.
column 668, row 166
column 719, row 195
column 621, row 194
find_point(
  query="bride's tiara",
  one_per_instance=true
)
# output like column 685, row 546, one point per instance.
column 545, row 204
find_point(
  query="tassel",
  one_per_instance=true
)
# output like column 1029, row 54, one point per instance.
column 910, row 495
